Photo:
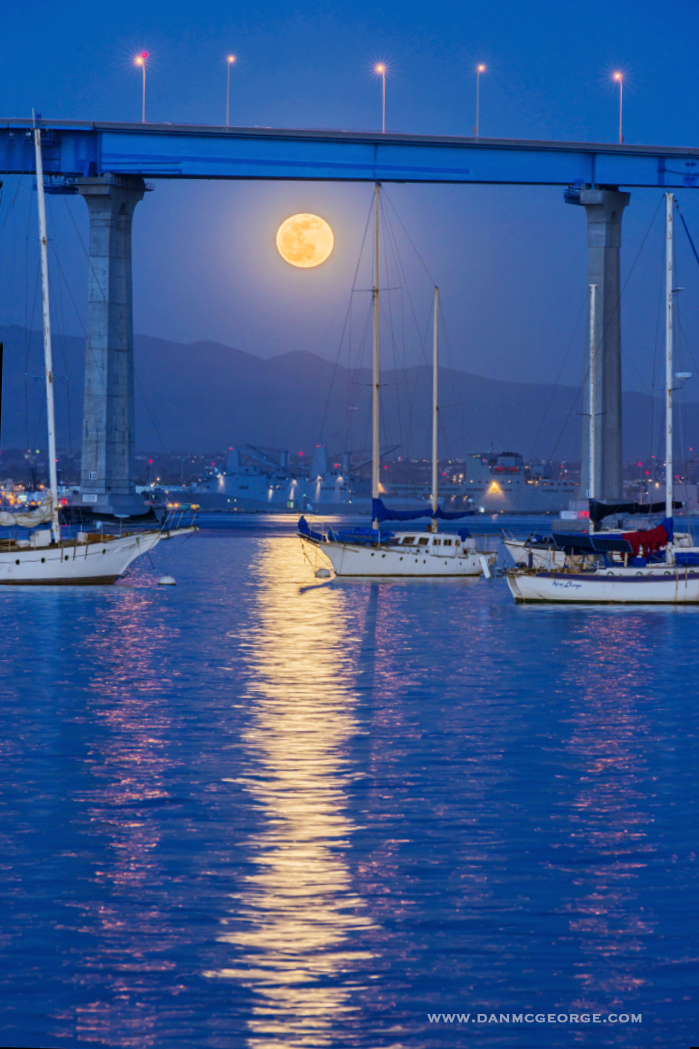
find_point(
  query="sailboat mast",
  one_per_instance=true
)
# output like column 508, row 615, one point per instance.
column 669, row 201
column 48, row 360
column 435, row 404
column 593, row 396
column 375, row 449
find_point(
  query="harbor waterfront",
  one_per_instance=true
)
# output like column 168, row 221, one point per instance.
column 257, row 809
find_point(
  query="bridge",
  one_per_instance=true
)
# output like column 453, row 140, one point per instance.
column 108, row 165
column 151, row 151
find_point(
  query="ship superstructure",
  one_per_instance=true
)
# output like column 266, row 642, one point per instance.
column 504, row 483
column 254, row 480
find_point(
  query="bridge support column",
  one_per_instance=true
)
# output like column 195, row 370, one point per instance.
column 108, row 465
column 604, row 208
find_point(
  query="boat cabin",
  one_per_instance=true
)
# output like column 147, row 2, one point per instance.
column 428, row 540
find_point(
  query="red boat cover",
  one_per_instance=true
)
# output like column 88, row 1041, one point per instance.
column 649, row 542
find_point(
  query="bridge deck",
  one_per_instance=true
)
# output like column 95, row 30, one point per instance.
column 73, row 148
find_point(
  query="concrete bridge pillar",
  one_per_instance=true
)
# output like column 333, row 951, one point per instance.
column 108, row 466
column 604, row 208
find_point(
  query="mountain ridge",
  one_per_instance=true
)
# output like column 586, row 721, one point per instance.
column 204, row 396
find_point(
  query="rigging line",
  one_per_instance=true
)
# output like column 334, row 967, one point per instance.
column 67, row 287
column 26, row 369
column 422, row 261
column 344, row 326
column 406, row 285
column 567, row 420
column 629, row 361
column 386, row 308
column 405, row 281
column 419, row 334
column 352, row 375
column 655, row 419
column 422, row 339
column 391, row 254
column 11, row 204
column 558, row 377
column 682, row 404
column 451, row 363
column 93, row 355
column 354, row 370
column 681, row 409
column 462, row 408
column 696, row 256
column 62, row 342
column 686, row 229
column 423, row 366
column 61, row 272
column 27, row 325
column 153, row 419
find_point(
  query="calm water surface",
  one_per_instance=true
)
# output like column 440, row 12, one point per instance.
column 256, row 810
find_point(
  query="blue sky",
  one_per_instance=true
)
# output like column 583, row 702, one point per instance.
column 511, row 262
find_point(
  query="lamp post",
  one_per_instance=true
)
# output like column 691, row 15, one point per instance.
column 479, row 69
column 381, row 70
column 619, row 79
column 231, row 60
column 141, row 61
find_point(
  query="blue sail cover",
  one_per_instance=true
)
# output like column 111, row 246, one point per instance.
column 452, row 515
column 305, row 529
column 380, row 513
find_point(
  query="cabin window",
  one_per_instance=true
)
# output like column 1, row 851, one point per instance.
column 408, row 539
column 447, row 542
column 438, row 542
column 423, row 542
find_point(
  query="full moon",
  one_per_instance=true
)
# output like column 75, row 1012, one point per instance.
column 305, row 240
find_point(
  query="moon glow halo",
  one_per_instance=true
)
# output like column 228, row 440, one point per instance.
column 305, row 240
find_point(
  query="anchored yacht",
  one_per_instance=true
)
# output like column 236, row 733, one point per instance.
column 365, row 551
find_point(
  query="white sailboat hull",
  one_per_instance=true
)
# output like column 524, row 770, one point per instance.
column 75, row 563
column 655, row 586
column 399, row 562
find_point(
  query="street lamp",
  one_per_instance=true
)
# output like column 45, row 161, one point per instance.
column 619, row 79
column 479, row 69
column 381, row 70
column 140, row 60
column 231, row 60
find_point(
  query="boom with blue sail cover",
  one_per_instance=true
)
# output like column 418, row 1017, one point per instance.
column 380, row 512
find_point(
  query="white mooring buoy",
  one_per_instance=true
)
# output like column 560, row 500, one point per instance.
column 167, row 580
column 323, row 573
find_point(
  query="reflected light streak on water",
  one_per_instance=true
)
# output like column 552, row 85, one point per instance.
column 294, row 920
column 127, row 763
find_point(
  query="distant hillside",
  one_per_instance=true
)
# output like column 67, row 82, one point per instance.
column 204, row 396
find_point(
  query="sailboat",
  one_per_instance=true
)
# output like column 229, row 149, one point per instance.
column 45, row 558
column 645, row 567
column 541, row 551
column 410, row 554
